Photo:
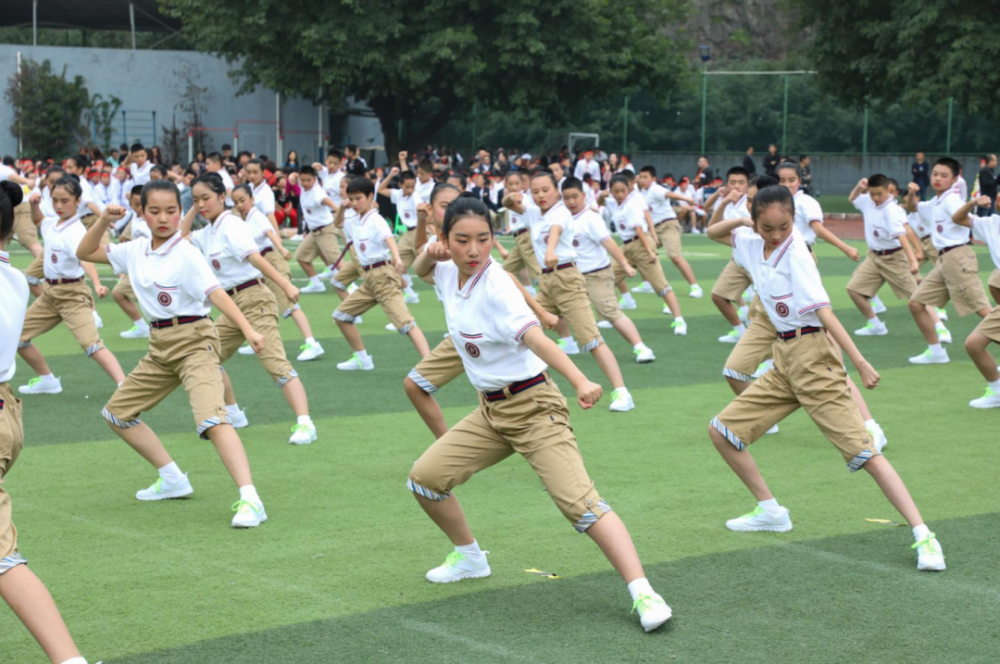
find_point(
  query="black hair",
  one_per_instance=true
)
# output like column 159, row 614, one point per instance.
column 352, row 147
column 950, row 164
column 135, row 191
column 803, row 156
column 334, row 152
column 359, row 184
column 648, row 169
column 426, row 166
column 256, row 162
column 877, row 180
column 211, row 180
column 789, row 165
column 159, row 168
column 11, row 196
column 161, row 185
column 461, row 178
column 619, row 178
column 572, row 183
column 244, row 153
column 307, row 169
column 81, row 160
column 71, row 184
column 136, row 147
column 441, row 188
column 737, row 170
column 626, row 155
column 214, row 156
column 55, row 169
column 245, row 188
column 466, row 205
column 762, row 180
column 509, row 173
column 892, row 182
column 407, row 175
column 227, row 146
column 768, row 196
column 629, row 175
column 545, row 174
column 190, row 171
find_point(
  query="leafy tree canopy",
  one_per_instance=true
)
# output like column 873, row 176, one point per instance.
column 47, row 108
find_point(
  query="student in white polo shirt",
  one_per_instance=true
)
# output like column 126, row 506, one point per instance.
column 321, row 241
column 66, row 297
column 562, row 290
column 176, row 289
column 383, row 285
column 228, row 245
column 521, row 260
column 809, row 214
column 347, row 268
column 733, row 281
column 407, row 200
column 19, row 587
column 263, row 195
column 808, row 371
column 213, row 164
column 521, row 411
column 273, row 251
column 668, row 228
column 425, row 176
column 955, row 275
column 135, row 227
column 331, row 176
column 594, row 250
column 138, row 164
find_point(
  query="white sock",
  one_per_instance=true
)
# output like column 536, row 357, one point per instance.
column 874, row 320
column 639, row 346
column 939, row 326
column 310, row 341
column 875, row 301
column 141, row 324
column 249, row 494
column 621, row 390
column 363, row 355
column 304, row 419
column 409, row 290
column 920, row 532
column 330, row 268
column 233, row 411
column 995, row 386
column 771, row 506
column 75, row 660
column 871, row 424
column 408, row 280
column 936, row 348
column 628, row 297
column 566, row 340
column 47, row 378
column 647, row 284
column 640, row 587
column 314, row 279
column 679, row 319
column 171, row 472
column 470, row 550
column 741, row 328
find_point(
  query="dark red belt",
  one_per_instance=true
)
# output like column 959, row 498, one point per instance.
column 366, row 268
column 265, row 252
column 947, row 249
column 170, row 322
column 632, row 240
column 518, row 232
column 598, row 269
column 56, row 282
column 561, row 266
column 887, row 252
column 245, row 285
column 785, row 336
column 515, row 388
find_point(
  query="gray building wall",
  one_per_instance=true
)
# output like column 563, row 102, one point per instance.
column 149, row 81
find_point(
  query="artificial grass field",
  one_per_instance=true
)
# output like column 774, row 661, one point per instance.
column 336, row 574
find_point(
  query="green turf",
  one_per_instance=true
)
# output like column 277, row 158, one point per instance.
column 336, row 575
column 836, row 203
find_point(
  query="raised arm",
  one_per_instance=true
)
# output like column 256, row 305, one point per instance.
column 187, row 222
column 90, row 249
column 514, row 201
column 961, row 216
column 860, row 188
column 383, row 187
column 910, row 202
column 722, row 232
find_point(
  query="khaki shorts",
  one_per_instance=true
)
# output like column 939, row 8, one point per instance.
column 602, row 294
column 261, row 311
column 877, row 270
column 36, row 271
column 732, row 282
column 755, row 346
column 954, row 277
column 319, row 243
column 407, row 248
column 279, row 263
column 11, row 441
column 90, row 220
column 669, row 234
column 989, row 327
column 438, row 368
column 930, row 252
column 636, row 255
column 382, row 286
column 124, row 287
column 564, row 293
column 24, row 228
column 994, row 281
column 69, row 303
column 533, row 423
column 523, row 256
column 180, row 354
column 808, row 373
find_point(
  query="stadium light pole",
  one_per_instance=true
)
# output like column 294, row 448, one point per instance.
column 705, row 52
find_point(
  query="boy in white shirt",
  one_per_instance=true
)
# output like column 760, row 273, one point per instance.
column 213, row 164
column 321, row 241
column 123, row 293
column 668, row 228
column 406, row 199
column 138, row 164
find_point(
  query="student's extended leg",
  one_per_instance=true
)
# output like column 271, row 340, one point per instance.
column 32, row 603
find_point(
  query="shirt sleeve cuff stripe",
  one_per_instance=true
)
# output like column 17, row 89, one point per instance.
column 520, row 333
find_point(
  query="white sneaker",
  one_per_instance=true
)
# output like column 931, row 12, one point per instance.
column 38, row 386
column 680, row 328
column 357, row 364
column 942, row 314
column 989, row 400
column 239, row 421
column 624, row 303
column 644, row 288
column 604, row 324
column 246, row 349
column 930, row 357
column 696, row 292
column 878, row 437
column 310, row 351
column 695, row 231
column 761, row 520
column 944, row 335
column 569, row 347
column 411, row 298
column 313, row 287
column 391, row 327
column 743, row 312
column 877, row 306
column 667, row 311
column 163, row 490
column 303, row 434
column 298, row 237
column 357, row 320
column 135, row 332
column 326, row 275
column 248, row 515
column 763, row 368
column 621, row 402
column 930, row 557
column 773, row 430
column 352, row 287
column 643, row 355
column 731, row 337
column 653, row 611
column 877, row 329
column 97, row 319
column 457, row 567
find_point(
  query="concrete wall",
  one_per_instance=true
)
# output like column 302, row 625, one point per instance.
column 832, row 174
column 148, row 81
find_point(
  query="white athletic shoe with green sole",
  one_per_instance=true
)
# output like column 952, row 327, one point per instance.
column 163, row 490
column 458, row 567
column 990, row 399
column 760, row 520
column 653, row 611
column 248, row 514
column 930, row 557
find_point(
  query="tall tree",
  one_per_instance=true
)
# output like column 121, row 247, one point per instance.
column 418, row 65
column 906, row 50
column 47, row 108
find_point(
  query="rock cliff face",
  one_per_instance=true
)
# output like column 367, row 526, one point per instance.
column 741, row 29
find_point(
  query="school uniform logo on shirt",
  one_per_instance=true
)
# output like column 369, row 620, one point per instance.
column 55, row 259
column 216, row 264
column 472, row 349
column 940, row 228
column 782, row 309
column 362, row 246
column 164, row 299
column 875, row 232
column 576, row 243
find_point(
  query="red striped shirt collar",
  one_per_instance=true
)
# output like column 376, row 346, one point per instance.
column 363, row 219
column 63, row 225
column 218, row 220
column 780, row 251
column 471, row 283
column 167, row 246
column 555, row 206
column 4, row 257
